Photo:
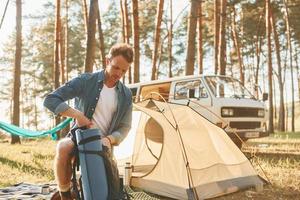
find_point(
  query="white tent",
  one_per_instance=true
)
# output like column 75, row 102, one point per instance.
column 177, row 153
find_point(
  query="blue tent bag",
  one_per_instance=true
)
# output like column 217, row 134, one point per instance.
column 92, row 166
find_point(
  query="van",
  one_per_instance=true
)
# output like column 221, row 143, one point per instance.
column 222, row 100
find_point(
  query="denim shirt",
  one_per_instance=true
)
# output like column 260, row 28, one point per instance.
column 86, row 89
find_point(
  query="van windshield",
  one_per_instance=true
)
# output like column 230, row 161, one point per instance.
column 227, row 87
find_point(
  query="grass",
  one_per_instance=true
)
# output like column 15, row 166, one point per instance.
column 32, row 162
column 276, row 143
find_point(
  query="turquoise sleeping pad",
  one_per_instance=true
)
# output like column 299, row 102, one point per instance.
column 92, row 168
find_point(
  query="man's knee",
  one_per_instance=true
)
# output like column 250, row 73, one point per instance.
column 64, row 148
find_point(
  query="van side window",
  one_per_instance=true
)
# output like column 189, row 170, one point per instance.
column 133, row 91
column 162, row 88
column 190, row 89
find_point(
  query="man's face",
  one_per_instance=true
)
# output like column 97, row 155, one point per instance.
column 116, row 68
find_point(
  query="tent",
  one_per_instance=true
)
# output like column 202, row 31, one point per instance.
column 177, row 153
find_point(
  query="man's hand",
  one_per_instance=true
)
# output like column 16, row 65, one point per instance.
column 106, row 142
column 82, row 120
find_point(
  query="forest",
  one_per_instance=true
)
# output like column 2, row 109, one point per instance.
column 254, row 41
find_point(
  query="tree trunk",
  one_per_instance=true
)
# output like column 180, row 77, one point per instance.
column 17, row 71
column 200, row 37
column 122, row 20
column 57, row 46
column 67, row 39
column 127, row 34
column 274, row 99
column 123, row 28
column 62, row 55
column 101, row 38
column 217, row 30
column 57, row 53
column 298, row 73
column 170, row 37
column 288, row 33
column 91, row 40
column 85, row 16
column 126, row 22
column 192, row 25
column 136, row 41
column 64, row 60
column 222, row 39
column 268, row 30
column 160, row 7
column 237, row 46
column 160, row 49
column 257, row 52
column 280, row 82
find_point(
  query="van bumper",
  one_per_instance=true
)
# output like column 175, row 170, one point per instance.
column 245, row 135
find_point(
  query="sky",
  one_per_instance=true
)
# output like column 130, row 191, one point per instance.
column 28, row 7
column 33, row 6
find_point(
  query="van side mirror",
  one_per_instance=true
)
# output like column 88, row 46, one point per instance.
column 265, row 96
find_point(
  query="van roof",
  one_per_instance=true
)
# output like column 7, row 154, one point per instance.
column 172, row 79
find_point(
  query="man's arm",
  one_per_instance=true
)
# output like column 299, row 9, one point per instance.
column 55, row 101
column 81, row 119
column 121, row 132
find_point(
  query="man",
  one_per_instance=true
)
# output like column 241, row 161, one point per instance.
column 101, row 101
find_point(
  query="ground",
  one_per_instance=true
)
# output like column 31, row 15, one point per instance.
column 277, row 158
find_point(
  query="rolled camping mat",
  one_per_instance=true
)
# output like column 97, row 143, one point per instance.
column 94, row 181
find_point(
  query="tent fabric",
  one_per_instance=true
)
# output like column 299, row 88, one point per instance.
column 166, row 138
column 15, row 130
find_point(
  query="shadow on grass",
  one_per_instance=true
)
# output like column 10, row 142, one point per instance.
column 43, row 157
column 26, row 168
column 268, row 193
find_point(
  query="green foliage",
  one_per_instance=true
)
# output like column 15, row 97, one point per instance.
column 286, row 135
column 111, row 26
column 294, row 6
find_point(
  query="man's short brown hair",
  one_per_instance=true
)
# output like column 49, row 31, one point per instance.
column 121, row 49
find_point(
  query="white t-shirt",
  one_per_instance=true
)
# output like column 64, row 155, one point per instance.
column 105, row 109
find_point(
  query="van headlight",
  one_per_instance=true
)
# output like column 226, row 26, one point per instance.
column 261, row 113
column 227, row 112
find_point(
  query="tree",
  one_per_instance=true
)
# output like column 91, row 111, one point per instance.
column 101, row 38
column 160, row 7
column 222, row 39
column 280, row 82
column 258, row 43
column 62, row 49
column 57, row 40
column 126, row 22
column 67, row 38
column 200, row 37
column 17, row 71
column 136, row 41
column 126, row 29
column 237, row 45
column 170, row 37
column 217, row 30
column 288, row 33
column 192, row 24
column 85, row 16
column 91, row 40
column 270, row 69
column 56, row 67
